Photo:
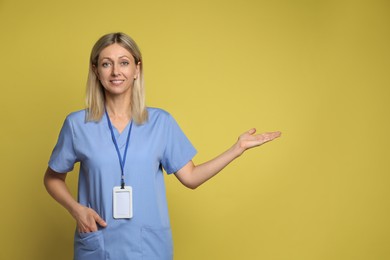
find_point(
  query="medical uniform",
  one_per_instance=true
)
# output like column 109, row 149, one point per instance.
column 155, row 145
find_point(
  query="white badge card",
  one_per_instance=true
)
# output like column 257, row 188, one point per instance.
column 123, row 202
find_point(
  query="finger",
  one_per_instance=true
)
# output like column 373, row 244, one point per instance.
column 274, row 135
column 252, row 131
column 277, row 134
column 248, row 133
column 93, row 228
column 266, row 137
column 88, row 224
column 83, row 228
column 99, row 220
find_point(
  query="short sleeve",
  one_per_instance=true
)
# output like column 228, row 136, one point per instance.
column 178, row 150
column 63, row 157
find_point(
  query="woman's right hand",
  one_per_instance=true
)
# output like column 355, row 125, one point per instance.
column 87, row 219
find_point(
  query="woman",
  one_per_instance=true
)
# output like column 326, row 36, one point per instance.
column 122, row 147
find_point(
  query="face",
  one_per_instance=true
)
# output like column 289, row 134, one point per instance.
column 116, row 70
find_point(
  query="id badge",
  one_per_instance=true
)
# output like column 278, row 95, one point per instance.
column 122, row 202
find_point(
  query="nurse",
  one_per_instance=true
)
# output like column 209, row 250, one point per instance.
column 122, row 147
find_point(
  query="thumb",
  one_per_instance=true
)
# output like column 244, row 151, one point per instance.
column 251, row 131
column 99, row 220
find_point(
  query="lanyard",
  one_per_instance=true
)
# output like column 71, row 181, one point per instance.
column 122, row 161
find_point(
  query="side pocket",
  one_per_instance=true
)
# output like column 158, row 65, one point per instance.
column 89, row 246
column 156, row 243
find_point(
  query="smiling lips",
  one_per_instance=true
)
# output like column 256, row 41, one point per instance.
column 117, row 82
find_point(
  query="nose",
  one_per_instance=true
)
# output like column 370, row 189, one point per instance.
column 115, row 70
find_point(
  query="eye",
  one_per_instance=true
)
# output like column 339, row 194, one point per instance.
column 125, row 63
column 106, row 64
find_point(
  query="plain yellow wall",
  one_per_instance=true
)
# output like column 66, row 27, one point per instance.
column 316, row 70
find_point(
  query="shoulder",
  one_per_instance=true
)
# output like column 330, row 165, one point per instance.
column 157, row 113
column 77, row 115
column 160, row 117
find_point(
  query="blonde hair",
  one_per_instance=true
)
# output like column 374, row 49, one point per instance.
column 95, row 94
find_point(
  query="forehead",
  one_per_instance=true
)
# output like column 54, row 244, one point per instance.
column 114, row 51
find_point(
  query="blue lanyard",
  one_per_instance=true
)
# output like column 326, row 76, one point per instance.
column 122, row 161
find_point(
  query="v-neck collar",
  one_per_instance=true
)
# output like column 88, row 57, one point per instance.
column 120, row 137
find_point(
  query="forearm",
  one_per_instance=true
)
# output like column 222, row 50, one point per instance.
column 207, row 170
column 57, row 188
column 193, row 176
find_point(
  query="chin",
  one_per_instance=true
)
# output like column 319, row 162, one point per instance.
column 117, row 91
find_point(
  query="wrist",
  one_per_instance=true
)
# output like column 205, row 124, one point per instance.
column 237, row 150
column 74, row 209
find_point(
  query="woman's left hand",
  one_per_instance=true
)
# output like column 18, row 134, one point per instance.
column 249, row 140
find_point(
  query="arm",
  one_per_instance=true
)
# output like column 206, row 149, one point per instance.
column 193, row 176
column 85, row 217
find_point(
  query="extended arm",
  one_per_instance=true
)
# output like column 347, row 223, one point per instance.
column 86, row 217
column 192, row 176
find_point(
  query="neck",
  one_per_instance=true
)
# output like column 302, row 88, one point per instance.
column 118, row 107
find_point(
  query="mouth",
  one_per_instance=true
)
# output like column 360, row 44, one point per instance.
column 116, row 82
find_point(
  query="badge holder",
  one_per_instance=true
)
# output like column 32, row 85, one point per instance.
column 122, row 202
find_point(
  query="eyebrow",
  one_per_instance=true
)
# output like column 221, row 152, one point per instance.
column 120, row 57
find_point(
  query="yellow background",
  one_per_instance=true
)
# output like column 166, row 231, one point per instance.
column 316, row 70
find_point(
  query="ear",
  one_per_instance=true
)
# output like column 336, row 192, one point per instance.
column 137, row 70
column 95, row 70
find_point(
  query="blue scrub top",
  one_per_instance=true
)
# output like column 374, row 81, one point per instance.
column 155, row 145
